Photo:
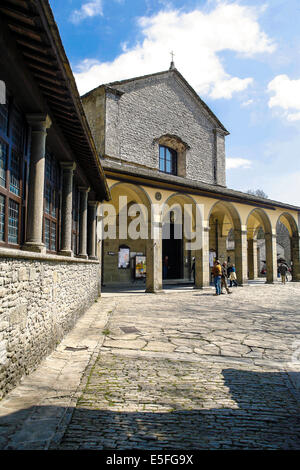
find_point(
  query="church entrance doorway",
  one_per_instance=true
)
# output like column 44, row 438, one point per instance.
column 172, row 254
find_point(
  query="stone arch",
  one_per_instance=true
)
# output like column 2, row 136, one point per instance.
column 124, row 197
column 223, row 217
column 290, row 223
column 292, row 249
column 188, row 223
column 258, row 219
column 228, row 209
column 262, row 218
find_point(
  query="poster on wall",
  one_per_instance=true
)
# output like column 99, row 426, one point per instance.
column 123, row 258
column 212, row 257
column 140, row 267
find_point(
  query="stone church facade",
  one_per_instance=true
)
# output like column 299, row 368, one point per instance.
column 160, row 145
column 51, row 183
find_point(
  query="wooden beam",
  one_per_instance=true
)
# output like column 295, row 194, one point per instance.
column 51, row 88
column 57, row 99
column 26, row 42
column 47, row 79
column 33, row 33
column 42, row 68
column 43, row 59
column 17, row 14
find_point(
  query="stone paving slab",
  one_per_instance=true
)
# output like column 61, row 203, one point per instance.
column 199, row 372
column 32, row 413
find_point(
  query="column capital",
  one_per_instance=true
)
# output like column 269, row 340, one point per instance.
column 68, row 165
column 84, row 189
column 240, row 231
column 93, row 203
column 39, row 121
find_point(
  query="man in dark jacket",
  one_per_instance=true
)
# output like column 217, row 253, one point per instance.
column 283, row 269
column 224, row 277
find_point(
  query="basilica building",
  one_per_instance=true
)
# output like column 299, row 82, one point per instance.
column 163, row 149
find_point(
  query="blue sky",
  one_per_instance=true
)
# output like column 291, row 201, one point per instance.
column 241, row 56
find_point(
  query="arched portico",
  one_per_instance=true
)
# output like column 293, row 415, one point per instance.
column 227, row 239
column 126, row 226
column 293, row 232
column 258, row 221
column 187, row 228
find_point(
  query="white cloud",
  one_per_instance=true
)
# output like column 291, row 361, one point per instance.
column 197, row 38
column 247, row 103
column 233, row 163
column 286, row 96
column 87, row 10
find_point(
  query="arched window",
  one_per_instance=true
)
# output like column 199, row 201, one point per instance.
column 167, row 160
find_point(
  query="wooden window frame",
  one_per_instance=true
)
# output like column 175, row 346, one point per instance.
column 174, row 158
column 75, row 221
column 55, row 186
column 23, row 154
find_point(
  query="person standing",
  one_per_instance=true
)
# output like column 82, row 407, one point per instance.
column 232, row 276
column 224, row 279
column 283, row 269
column 217, row 273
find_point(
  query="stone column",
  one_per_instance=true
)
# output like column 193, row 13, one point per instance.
column 154, row 253
column 34, row 231
column 271, row 257
column 252, row 258
column 295, row 251
column 66, row 209
column 222, row 249
column 91, row 232
column 202, row 273
column 83, row 222
column 241, row 256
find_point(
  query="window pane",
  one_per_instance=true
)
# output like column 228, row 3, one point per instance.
column 17, row 128
column 13, row 222
column 168, row 166
column 3, row 158
column 47, row 233
column 48, row 167
column 47, row 199
column 2, row 217
column 53, row 237
column 161, row 164
column 53, row 209
column 3, row 118
column 14, row 186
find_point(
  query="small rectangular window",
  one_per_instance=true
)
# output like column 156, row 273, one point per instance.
column 14, row 185
column 3, row 161
column 13, row 222
column 47, row 233
column 53, row 237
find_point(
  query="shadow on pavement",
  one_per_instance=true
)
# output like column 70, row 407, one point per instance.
column 265, row 416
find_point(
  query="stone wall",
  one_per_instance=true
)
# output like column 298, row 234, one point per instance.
column 40, row 301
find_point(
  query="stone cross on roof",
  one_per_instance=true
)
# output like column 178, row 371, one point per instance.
column 172, row 66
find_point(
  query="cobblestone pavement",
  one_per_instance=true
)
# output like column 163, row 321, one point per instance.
column 178, row 370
